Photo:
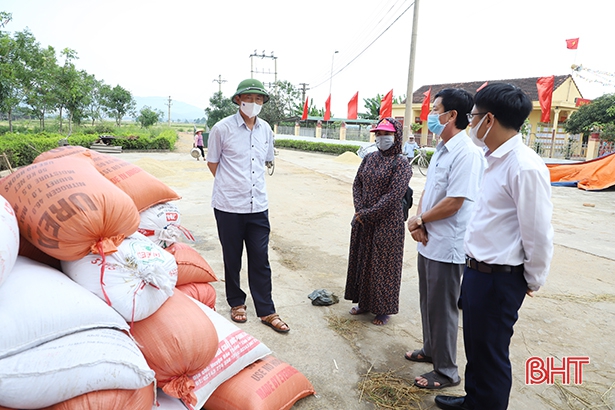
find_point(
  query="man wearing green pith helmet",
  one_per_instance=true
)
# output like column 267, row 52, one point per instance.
column 238, row 147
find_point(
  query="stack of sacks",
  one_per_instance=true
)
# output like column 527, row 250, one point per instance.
column 9, row 239
column 69, row 212
column 72, row 343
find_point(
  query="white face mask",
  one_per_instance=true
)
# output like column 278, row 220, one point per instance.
column 474, row 133
column 384, row 142
column 250, row 109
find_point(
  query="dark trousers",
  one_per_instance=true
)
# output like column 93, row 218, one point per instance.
column 235, row 230
column 490, row 304
column 200, row 147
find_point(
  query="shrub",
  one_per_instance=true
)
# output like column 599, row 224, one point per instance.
column 324, row 147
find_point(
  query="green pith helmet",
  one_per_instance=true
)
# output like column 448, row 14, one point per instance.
column 251, row 86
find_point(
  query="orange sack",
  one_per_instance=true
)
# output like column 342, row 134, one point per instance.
column 145, row 189
column 141, row 399
column 266, row 384
column 191, row 266
column 177, row 341
column 67, row 209
column 203, row 292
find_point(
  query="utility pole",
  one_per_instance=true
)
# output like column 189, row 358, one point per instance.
column 219, row 81
column 275, row 65
column 169, row 103
column 408, row 120
column 303, row 90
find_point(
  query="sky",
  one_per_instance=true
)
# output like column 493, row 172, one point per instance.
column 182, row 48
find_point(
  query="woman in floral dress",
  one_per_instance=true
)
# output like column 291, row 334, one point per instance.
column 377, row 236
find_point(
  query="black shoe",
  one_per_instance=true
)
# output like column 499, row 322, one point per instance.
column 451, row 403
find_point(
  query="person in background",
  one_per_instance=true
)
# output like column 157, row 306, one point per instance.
column 198, row 143
column 238, row 148
column 409, row 148
column 508, row 245
column 377, row 235
column 452, row 185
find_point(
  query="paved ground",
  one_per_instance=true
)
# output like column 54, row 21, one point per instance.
column 310, row 211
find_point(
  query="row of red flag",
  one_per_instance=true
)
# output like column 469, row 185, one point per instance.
column 386, row 107
column 544, row 86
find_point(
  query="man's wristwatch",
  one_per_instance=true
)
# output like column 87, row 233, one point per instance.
column 419, row 220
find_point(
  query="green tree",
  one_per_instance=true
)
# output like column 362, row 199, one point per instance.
column 148, row 116
column 283, row 101
column 10, row 66
column 598, row 116
column 219, row 107
column 117, row 102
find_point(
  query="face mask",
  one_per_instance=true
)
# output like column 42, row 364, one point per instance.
column 384, row 142
column 250, row 109
column 474, row 133
column 433, row 123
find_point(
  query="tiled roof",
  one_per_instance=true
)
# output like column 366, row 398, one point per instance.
column 528, row 85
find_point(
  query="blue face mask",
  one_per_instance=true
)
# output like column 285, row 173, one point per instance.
column 433, row 123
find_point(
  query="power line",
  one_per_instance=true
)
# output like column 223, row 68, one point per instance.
column 366, row 48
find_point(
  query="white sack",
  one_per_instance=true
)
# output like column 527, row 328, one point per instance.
column 9, row 239
column 72, row 365
column 162, row 224
column 39, row 304
column 236, row 350
column 138, row 278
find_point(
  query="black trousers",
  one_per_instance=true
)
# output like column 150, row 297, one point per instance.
column 235, row 230
column 490, row 302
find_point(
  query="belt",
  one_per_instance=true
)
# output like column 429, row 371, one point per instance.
column 489, row 268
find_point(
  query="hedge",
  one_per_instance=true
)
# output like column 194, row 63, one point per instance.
column 324, row 147
column 21, row 149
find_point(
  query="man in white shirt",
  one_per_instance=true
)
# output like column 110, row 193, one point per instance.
column 453, row 181
column 508, row 243
column 238, row 147
column 409, row 148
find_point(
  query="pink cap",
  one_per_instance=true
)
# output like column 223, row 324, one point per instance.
column 384, row 125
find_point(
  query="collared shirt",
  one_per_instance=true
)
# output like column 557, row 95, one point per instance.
column 409, row 148
column 455, row 170
column 239, row 185
column 511, row 224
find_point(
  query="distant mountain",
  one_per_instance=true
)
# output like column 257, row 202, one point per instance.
column 180, row 111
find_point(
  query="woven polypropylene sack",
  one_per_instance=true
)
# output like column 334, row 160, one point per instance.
column 39, row 304
column 236, row 350
column 268, row 384
column 203, row 292
column 177, row 341
column 9, row 239
column 136, row 281
column 145, row 189
column 191, row 266
column 72, row 365
column 67, row 209
column 162, row 224
column 140, row 399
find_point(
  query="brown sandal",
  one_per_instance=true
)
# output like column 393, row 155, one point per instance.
column 274, row 322
column 238, row 314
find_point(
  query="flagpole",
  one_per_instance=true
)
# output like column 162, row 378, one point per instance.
column 408, row 113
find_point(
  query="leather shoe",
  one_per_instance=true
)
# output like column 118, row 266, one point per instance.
column 451, row 403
